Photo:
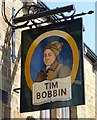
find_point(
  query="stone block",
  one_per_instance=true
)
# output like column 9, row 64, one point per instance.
column 6, row 111
column 8, row 10
column 18, row 38
column 15, row 101
column 4, row 71
column 90, row 114
column 3, row 24
column 90, row 90
column 0, row 80
column 9, row 75
column 0, row 6
column 4, row 96
column 91, row 108
column 1, row 37
column 9, row 100
column 6, row 63
column 6, row 84
column 7, row 54
column 1, row 113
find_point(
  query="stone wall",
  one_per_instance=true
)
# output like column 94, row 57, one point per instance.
column 88, row 110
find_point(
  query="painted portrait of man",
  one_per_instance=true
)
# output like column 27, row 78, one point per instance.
column 52, row 56
column 52, row 68
column 51, row 59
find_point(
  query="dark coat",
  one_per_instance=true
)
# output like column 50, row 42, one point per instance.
column 56, row 70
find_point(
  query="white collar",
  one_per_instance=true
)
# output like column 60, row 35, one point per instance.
column 47, row 67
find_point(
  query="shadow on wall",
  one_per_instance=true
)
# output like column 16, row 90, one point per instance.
column 8, row 74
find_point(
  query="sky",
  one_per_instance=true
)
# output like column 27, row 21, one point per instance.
column 88, row 20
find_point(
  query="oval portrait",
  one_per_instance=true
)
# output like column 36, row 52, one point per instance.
column 54, row 54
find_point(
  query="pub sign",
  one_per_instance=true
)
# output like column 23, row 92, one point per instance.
column 52, row 73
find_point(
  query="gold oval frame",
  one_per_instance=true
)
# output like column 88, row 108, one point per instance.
column 59, row 33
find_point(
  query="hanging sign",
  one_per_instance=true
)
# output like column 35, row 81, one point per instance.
column 52, row 66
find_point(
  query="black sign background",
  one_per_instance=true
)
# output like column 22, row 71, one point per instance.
column 73, row 28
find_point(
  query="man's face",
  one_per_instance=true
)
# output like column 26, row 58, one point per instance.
column 49, row 57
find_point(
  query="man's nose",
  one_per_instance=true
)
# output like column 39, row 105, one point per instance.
column 47, row 57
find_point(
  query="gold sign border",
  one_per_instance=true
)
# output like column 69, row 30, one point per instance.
column 31, row 50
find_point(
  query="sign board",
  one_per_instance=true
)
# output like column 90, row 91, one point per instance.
column 52, row 66
column 53, row 90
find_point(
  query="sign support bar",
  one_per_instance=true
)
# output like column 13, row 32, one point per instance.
column 44, row 14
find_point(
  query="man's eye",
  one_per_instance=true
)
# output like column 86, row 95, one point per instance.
column 49, row 54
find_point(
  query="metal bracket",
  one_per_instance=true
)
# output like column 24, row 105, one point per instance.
column 43, row 14
column 16, row 90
